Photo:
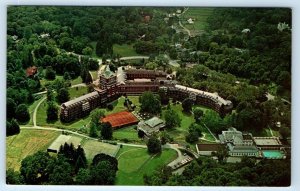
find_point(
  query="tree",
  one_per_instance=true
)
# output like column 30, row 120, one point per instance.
column 87, row 51
column 96, row 115
column 165, row 137
column 198, row 113
column 49, row 73
column 83, row 177
column 150, row 103
column 106, row 131
column 104, row 157
column 63, row 95
column 22, row 113
column 34, row 168
column 13, row 177
column 285, row 132
column 187, row 105
column 12, row 127
column 110, row 106
column 103, row 174
column 221, row 154
column 67, row 76
column 194, row 133
column 154, row 145
column 10, row 108
column 50, row 96
column 61, row 173
column 80, row 159
column 52, row 111
column 93, row 130
column 164, row 98
column 172, row 118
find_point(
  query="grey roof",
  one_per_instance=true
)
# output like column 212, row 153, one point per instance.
column 81, row 98
column 154, row 121
column 240, row 148
column 108, row 73
column 213, row 96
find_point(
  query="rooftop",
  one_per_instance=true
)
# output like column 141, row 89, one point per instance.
column 213, row 96
column 120, row 119
column 154, row 121
column 108, row 73
column 267, row 141
column 209, row 147
column 81, row 98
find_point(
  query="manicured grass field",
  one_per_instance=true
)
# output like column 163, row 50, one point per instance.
column 124, row 50
column 92, row 148
column 26, row 143
column 77, row 92
column 126, row 133
column 135, row 162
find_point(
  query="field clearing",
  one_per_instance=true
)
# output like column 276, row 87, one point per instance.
column 124, row 50
column 92, row 148
column 27, row 143
column 77, row 92
column 199, row 16
column 135, row 162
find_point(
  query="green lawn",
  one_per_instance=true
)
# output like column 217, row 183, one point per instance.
column 124, row 50
column 93, row 44
column 119, row 104
column 27, row 142
column 77, row 92
column 186, row 120
column 126, row 133
column 199, row 15
column 77, row 80
column 31, row 110
column 75, row 125
column 135, row 162
column 94, row 75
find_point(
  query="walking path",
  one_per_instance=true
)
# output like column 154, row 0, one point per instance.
column 180, row 24
column 35, row 111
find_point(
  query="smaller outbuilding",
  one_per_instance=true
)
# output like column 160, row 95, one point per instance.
column 208, row 149
column 151, row 126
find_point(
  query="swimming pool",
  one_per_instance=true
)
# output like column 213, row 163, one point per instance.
column 270, row 154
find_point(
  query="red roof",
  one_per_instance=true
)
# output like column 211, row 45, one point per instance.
column 120, row 119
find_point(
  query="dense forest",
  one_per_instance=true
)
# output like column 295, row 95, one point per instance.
column 207, row 172
column 249, row 43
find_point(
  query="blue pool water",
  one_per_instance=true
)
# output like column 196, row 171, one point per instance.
column 273, row 154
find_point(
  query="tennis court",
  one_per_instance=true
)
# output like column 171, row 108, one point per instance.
column 120, row 119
